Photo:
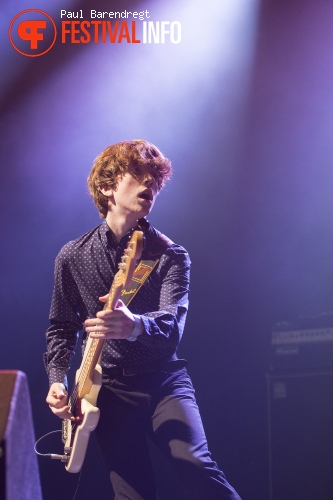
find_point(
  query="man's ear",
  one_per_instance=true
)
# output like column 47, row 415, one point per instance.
column 106, row 190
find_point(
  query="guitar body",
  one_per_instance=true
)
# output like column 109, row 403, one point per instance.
column 76, row 434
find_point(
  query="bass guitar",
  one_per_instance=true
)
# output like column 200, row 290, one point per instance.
column 88, row 380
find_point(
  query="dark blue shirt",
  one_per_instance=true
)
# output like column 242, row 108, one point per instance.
column 84, row 271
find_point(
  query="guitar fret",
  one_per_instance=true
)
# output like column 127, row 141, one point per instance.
column 87, row 366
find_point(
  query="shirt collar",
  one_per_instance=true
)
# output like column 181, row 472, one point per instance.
column 108, row 237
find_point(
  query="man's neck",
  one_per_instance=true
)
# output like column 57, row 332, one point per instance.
column 119, row 226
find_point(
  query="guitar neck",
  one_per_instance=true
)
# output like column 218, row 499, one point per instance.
column 94, row 348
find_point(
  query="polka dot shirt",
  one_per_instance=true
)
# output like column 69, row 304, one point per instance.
column 84, row 271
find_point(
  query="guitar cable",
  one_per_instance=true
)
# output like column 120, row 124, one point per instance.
column 54, row 456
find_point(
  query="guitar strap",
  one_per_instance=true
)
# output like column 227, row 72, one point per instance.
column 144, row 269
column 141, row 273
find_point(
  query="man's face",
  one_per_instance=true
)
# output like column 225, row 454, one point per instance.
column 136, row 191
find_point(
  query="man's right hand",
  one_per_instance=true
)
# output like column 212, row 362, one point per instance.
column 57, row 400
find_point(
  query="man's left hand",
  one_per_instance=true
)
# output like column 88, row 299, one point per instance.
column 116, row 324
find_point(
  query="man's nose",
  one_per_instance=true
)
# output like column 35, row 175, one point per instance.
column 149, row 179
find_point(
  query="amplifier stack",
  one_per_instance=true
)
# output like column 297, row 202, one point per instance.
column 300, row 414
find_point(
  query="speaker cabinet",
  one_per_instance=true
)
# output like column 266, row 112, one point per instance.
column 300, row 435
column 19, row 476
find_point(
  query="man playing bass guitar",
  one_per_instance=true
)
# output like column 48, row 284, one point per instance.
column 145, row 389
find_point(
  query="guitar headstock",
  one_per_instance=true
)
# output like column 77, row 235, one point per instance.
column 126, row 270
column 129, row 260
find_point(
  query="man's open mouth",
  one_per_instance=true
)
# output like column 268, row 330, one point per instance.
column 146, row 195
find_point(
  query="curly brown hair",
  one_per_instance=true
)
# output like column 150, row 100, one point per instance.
column 112, row 163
